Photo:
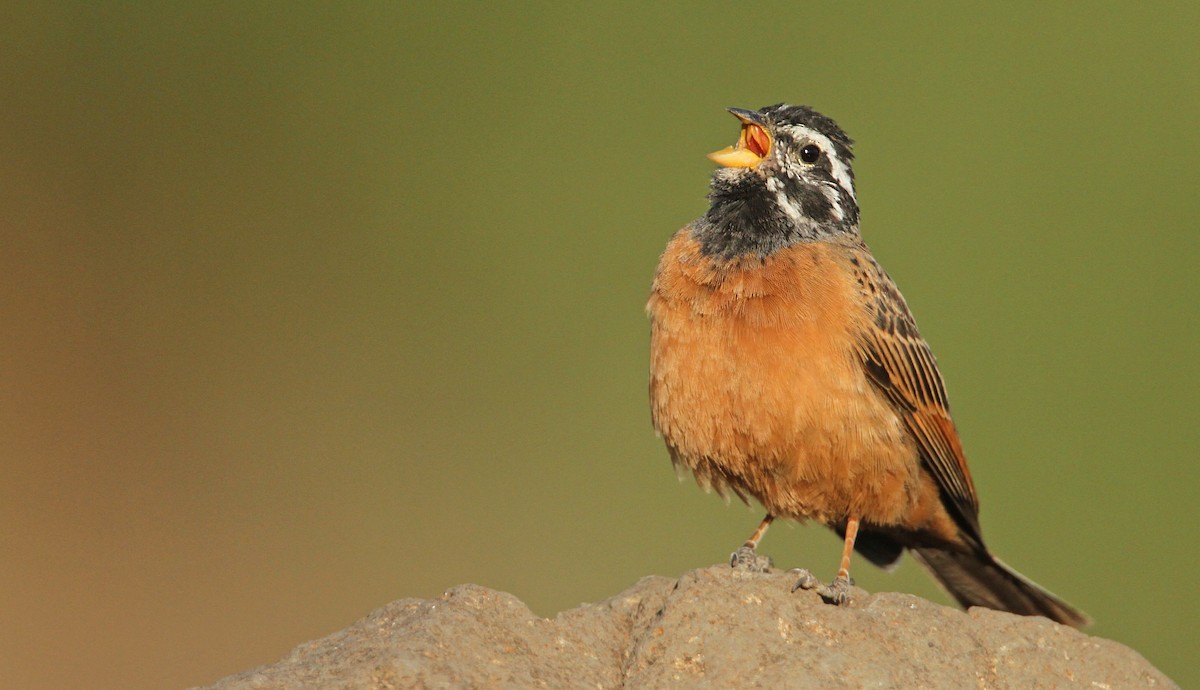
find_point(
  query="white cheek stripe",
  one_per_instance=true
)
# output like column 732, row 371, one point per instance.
column 781, row 200
column 834, row 199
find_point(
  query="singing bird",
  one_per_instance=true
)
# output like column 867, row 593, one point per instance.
column 786, row 366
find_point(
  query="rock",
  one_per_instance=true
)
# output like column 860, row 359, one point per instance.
column 712, row 628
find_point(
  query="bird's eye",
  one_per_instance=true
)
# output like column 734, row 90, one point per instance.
column 810, row 153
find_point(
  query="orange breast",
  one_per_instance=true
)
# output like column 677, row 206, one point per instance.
column 755, row 384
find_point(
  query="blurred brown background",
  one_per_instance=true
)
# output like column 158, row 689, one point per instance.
column 305, row 309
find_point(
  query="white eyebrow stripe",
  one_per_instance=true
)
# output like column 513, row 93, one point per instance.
column 837, row 168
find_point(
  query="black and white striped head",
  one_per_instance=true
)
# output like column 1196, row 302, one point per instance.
column 787, row 180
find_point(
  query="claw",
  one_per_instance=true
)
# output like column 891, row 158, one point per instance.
column 836, row 592
column 806, row 580
column 746, row 558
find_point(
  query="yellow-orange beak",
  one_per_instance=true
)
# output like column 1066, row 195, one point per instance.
column 754, row 143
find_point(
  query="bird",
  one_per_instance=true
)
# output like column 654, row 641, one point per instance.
column 786, row 366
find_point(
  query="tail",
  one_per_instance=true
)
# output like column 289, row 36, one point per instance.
column 980, row 579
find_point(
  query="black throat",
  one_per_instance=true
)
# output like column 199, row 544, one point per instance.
column 745, row 218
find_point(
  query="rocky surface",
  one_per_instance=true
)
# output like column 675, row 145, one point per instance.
column 711, row 628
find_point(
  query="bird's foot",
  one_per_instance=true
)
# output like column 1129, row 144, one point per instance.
column 806, row 580
column 746, row 558
column 836, row 592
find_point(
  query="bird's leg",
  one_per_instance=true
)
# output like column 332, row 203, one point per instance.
column 746, row 558
column 838, row 591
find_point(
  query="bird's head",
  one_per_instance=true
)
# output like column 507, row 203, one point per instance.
column 788, row 179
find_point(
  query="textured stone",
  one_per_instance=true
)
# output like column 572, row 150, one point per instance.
column 711, row 628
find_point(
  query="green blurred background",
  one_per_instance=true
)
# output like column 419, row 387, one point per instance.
column 306, row 309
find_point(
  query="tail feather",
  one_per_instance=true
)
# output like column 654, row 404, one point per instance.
column 980, row 579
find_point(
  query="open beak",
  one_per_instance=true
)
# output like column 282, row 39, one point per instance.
column 754, row 144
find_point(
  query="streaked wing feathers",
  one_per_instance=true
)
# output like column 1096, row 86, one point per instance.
column 900, row 363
